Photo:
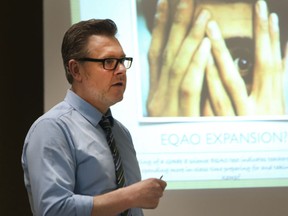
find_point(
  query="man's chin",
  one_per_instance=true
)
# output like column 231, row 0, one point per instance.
column 117, row 99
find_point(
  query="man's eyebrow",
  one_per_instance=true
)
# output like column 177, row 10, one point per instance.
column 240, row 42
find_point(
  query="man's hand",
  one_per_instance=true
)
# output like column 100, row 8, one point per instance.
column 176, row 77
column 147, row 193
column 144, row 194
column 267, row 92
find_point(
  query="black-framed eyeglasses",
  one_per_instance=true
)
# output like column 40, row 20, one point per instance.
column 111, row 63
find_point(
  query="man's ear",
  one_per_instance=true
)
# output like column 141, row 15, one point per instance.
column 73, row 67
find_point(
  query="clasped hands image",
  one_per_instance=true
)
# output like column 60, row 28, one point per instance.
column 215, row 58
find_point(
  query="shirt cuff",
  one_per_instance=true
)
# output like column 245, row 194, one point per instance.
column 84, row 205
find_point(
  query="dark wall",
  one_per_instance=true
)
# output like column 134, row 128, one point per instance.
column 21, row 90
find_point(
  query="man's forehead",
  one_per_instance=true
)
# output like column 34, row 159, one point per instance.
column 234, row 19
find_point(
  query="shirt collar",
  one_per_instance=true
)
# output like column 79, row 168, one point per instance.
column 88, row 111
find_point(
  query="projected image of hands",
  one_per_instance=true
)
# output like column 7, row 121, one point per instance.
column 215, row 58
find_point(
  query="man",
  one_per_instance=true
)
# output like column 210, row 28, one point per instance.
column 216, row 58
column 68, row 165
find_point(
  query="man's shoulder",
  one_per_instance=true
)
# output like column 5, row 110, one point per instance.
column 50, row 120
column 55, row 113
column 57, row 110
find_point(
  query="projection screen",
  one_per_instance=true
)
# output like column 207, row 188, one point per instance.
column 199, row 133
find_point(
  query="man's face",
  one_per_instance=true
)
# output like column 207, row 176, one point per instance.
column 100, row 87
column 236, row 25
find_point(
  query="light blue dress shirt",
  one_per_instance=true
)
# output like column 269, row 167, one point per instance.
column 66, row 159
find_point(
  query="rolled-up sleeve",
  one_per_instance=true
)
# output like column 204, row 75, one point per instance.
column 49, row 164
